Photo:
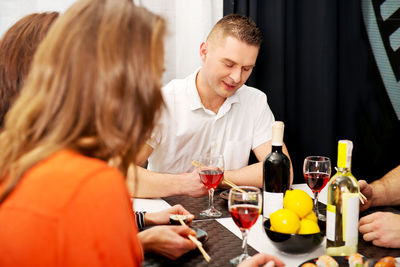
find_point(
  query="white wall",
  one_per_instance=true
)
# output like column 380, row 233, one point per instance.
column 189, row 22
column 13, row 10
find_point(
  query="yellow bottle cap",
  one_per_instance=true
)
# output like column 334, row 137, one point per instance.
column 345, row 148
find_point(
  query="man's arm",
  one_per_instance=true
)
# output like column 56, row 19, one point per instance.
column 386, row 190
column 143, row 183
column 253, row 174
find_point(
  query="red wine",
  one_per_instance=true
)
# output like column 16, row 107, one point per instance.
column 211, row 178
column 276, row 172
column 316, row 181
column 244, row 215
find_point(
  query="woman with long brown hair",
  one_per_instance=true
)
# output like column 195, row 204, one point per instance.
column 92, row 93
column 17, row 48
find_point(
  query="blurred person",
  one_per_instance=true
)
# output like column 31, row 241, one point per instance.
column 212, row 110
column 60, row 201
column 17, row 48
column 261, row 259
column 381, row 228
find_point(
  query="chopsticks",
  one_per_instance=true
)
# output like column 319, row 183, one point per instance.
column 228, row 182
column 196, row 163
column 231, row 184
column 362, row 198
column 196, row 242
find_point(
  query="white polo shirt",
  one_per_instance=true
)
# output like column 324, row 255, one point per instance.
column 187, row 129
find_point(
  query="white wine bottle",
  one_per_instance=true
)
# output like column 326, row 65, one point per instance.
column 342, row 206
column 276, row 173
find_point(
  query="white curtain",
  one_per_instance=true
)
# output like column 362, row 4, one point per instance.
column 189, row 22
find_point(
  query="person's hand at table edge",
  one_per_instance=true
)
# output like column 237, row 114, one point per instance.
column 262, row 259
column 162, row 217
column 381, row 228
column 169, row 241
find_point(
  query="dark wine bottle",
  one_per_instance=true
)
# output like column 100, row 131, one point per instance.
column 276, row 173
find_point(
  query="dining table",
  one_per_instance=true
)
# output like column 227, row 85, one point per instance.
column 224, row 237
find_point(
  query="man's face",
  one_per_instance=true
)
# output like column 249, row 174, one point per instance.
column 227, row 65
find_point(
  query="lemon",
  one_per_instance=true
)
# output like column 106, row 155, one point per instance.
column 311, row 216
column 285, row 221
column 308, row 227
column 298, row 201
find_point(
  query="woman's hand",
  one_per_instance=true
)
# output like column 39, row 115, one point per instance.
column 162, row 217
column 169, row 241
column 262, row 259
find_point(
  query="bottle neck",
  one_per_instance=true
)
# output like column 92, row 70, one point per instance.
column 343, row 169
column 277, row 148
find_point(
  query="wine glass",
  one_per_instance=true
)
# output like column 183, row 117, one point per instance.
column 211, row 170
column 317, row 170
column 244, row 204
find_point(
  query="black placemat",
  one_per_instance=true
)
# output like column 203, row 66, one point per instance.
column 222, row 245
column 196, row 205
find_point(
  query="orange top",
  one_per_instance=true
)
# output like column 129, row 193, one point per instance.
column 69, row 210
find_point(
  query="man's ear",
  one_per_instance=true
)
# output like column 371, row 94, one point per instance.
column 203, row 51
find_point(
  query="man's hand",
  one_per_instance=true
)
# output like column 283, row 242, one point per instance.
column 191, row 185
column 162, row 217
column 262, row 259
column 367, row 191
column 382, row 228
column 169, row 241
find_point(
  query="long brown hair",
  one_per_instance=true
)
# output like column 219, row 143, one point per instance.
column 94, row 86
column 17, row 48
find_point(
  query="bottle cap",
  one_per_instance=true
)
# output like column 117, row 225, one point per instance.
column 345, row 148
column 277, row 133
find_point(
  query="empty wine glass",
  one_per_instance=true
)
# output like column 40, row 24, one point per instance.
column 317, row 170
column 211, row 170
column 244, row 204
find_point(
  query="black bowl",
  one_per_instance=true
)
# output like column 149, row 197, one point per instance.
column 295, row 243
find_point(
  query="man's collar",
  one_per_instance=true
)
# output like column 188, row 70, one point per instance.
column 195, row 97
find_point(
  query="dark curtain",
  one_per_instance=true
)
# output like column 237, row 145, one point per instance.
column 317, row 69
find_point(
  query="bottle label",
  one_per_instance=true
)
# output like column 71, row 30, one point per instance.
column 330, row 222
column 350, row 218
column 272, row 202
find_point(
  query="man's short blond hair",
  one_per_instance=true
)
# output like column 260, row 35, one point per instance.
column 238, row 26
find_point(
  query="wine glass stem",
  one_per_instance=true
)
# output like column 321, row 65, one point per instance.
column 244, row 244
column 211, row 198
column 316, row 203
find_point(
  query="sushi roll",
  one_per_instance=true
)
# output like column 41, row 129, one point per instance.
column 386, row 262
column 326, row 261
column 356, row 260
column 308, row 264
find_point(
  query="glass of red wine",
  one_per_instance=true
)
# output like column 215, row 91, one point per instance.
column 317, row 171
column 211, row 170
column 244, row 204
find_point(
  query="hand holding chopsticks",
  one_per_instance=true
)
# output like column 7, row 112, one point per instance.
column 196, row 242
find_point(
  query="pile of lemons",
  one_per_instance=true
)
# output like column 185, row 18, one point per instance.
column 297, row 216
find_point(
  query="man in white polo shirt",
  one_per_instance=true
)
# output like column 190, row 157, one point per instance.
column 211, row 110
